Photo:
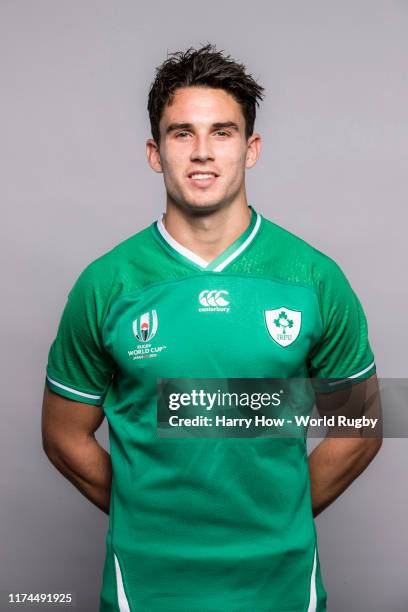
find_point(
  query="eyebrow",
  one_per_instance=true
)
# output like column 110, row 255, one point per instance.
column 189, row 126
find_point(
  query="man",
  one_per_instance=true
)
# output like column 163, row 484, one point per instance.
column 212, row 290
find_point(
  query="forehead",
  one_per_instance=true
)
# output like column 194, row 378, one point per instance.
column 202, row 105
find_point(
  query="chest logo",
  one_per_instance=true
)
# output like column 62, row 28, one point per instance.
column 214, row 300
column 145, row 327
column 283, row 324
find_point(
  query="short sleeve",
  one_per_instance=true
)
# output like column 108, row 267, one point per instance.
column 79, row 367
column 342, row 355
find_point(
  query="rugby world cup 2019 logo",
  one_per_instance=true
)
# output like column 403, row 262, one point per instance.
column 283, row 324
column 145, row 327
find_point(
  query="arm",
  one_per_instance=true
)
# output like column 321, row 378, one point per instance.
column 337, row 460
column 68, row 440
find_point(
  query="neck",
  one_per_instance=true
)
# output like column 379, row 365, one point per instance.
column 210, row 234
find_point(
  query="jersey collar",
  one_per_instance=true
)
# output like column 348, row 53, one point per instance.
column 220, row 262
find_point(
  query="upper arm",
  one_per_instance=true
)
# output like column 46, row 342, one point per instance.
column 79, row 371
column 359, row 400
column 65, row 420
column 342, row 364
column 352, row 401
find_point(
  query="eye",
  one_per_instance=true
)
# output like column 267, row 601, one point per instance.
column 181, row 134
column 222, row 132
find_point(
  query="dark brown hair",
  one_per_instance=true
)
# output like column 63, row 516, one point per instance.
column 203, row 67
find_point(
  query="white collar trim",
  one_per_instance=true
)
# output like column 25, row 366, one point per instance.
column 196, row 258
column 179, row 247
column 243, row 246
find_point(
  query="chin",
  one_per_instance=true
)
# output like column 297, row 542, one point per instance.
column 199, row 205
column 198, row 208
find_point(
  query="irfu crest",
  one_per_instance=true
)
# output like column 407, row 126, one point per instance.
column 283, row 324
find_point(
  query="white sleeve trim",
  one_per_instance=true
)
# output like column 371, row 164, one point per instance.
column 80, row 393
column 337, row 382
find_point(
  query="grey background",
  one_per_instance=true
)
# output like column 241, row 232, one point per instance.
column 75, row 182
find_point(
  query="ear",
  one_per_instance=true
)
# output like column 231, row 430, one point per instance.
column 153, row 155
column 253, row 150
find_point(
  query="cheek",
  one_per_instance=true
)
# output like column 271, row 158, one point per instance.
column 233, row 158
column 235, row 164
column 176, row 168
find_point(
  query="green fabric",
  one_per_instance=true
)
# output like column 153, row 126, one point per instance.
column 207, row 524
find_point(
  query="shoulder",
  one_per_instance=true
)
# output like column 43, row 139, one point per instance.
column 104, row 274
column 298, row 258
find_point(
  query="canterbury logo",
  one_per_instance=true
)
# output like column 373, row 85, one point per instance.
column 145, row 327
column 213, row 297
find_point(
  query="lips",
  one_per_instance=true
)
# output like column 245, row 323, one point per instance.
column 202, row 178
column 193, row 172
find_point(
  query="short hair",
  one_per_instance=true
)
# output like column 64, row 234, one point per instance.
column 203, row 67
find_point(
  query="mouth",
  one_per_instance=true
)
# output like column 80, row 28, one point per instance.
column 202, row 179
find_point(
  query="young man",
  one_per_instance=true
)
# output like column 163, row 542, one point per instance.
column 212, row 290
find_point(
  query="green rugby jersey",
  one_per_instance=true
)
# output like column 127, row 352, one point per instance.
column 204, row 524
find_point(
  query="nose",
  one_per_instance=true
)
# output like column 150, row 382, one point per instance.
column 202, row 150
